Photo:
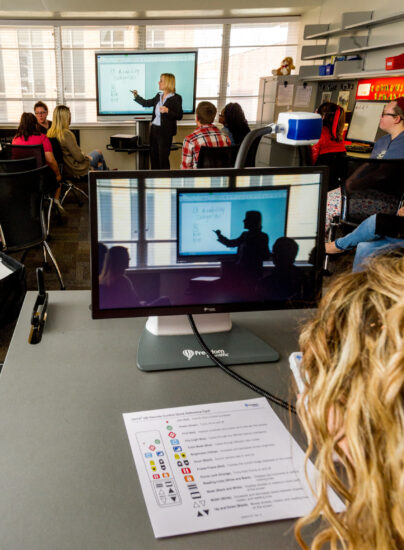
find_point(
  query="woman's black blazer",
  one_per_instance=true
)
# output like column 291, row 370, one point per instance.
column 168, row 120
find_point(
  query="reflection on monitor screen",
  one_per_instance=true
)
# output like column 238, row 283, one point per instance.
column 203, row 214
column 167, row 243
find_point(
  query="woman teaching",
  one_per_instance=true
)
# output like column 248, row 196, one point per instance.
column 167, row 109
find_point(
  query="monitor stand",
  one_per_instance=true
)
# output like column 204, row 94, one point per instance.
column 168, row 343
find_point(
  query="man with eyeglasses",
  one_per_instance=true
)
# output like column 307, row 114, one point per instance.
column 391, row 146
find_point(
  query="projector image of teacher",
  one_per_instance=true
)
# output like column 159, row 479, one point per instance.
column 252, row 248
column 167, row 109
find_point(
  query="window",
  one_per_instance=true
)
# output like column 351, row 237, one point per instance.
column 57, row 64
column 27, row 70
column 151, row 239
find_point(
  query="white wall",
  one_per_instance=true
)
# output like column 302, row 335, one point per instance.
column 331, row 11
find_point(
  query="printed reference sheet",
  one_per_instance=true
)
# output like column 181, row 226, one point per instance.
column 218, row 465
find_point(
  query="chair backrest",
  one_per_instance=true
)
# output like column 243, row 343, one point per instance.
column 380, row 181
column 252, row 152
column 21, row 215
column 336, row 166
column 6, row 135
column 16, row 152
column 57, row 150
column 304, row 152
column 20, row 165
column 217, row 157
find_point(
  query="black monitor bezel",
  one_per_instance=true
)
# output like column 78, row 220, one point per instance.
column 185, row 259
column 98, row 313
column 148, row 113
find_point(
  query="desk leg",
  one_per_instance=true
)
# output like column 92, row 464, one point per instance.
column 143, row 131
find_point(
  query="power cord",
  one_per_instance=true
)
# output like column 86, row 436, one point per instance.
column 272, row 398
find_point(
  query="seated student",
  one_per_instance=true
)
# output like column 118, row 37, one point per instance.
column 116, row 289
column 353, row 405
column 286, row 280
column 369, row 239
column 75, row 162
column 205, row 135
column 331, row 139
column 41, row 112
column 102, row 252
column 390, row 146
column 235, row 124
column 28, row 134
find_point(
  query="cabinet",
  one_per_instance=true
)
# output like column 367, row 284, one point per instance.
column 268, row 97
column 349, row 43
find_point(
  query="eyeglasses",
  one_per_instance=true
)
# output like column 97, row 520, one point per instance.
column 41, row 113
column 388, row 114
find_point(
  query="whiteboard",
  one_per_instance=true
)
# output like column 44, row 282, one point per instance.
column 365, row 121
column 198, row 236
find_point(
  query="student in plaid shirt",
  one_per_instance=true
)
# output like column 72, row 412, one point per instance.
column 206, row 134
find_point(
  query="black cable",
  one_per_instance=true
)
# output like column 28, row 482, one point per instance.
column 272, row 398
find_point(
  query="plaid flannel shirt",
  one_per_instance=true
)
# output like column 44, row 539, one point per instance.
column 207, row 135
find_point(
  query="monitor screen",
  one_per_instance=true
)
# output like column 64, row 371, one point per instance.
column 201, row 213
column 364, row 126
column 119, row 73
column 223, row 240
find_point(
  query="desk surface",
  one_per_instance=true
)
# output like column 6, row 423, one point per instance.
column 67, row 476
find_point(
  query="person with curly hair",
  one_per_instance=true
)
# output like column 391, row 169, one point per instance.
column 353, row 405
column 235, row 124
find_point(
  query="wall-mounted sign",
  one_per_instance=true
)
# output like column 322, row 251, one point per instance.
column 380, row 89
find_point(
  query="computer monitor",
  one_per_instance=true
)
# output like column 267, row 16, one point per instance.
column 364, row 126
column 172, row 243
column 118, row 73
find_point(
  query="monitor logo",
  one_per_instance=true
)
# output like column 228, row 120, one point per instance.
column 209, row 309
column 189, row 353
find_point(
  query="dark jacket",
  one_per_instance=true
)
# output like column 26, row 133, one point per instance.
column 168, row 120
column 388, row 225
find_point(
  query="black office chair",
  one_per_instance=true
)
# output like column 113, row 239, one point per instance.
column 16, row 152
column 20, row 165
column 249, row 147
column 7, row 135
column 252, row 153
column 217, row 157
column 378, row 180
column 68, row 184
column 37, row 151
column 22, row 220
column 336, row 166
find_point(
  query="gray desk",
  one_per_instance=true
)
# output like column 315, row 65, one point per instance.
column 67, row 476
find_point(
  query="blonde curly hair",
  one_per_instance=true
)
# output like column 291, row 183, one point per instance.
column 353, row 370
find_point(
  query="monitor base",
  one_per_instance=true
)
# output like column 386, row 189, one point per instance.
column 235, row 347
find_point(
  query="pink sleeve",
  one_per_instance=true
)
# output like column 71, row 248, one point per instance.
column 47, row 146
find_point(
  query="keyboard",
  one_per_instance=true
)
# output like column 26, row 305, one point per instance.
column 359, row 148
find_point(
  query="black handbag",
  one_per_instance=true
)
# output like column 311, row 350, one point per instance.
column 12, row 289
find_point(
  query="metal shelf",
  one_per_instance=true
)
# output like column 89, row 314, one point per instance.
column 319, row 56
column 375, row 22
column 325, row 34
column 355, row 26
column 376, row 47
column 353, row 76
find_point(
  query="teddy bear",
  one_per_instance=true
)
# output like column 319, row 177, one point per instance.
column 285, row 68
